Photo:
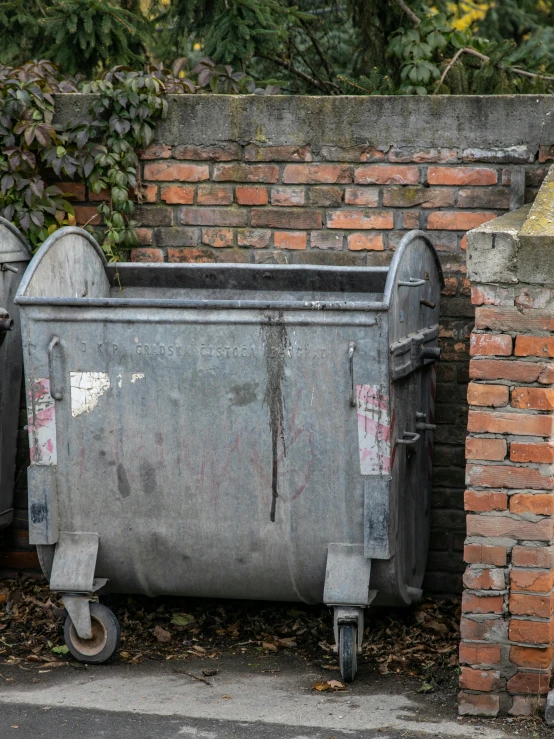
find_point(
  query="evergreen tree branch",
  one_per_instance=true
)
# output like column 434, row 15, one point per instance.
column 330, row 71
column 330, row 86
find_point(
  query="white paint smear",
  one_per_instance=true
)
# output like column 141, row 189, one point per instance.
column 137, row 376
column 86, row 389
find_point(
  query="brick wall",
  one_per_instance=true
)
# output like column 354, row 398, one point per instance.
column 339, row 181
column 508, row 604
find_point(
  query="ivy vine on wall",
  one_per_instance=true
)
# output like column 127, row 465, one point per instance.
column 100, row 151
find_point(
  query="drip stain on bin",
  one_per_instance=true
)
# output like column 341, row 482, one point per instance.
column 276, row 344
column 123, row 481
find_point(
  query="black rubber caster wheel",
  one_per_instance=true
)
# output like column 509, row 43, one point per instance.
column 348, row 650
column 106, row 636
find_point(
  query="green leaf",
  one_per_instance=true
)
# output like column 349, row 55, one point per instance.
column 182, row 619
column 63, row 649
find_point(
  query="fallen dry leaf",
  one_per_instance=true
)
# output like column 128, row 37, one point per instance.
column 161, row 634
column 331, row 685
column 270, row 647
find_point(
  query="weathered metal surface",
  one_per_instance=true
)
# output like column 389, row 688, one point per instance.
column 14, row 256
column 216, row 428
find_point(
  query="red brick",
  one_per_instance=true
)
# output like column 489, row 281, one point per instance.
column 19, row 561
column 493, row 450
column 256, row 237
column 449, row 220
column 371, row 242
column 534, row 346
column 507, row 476
column 317, row 173
column 362, row 153
column 191, row 216
column 367, row 196
column 87, row 215
column 531, row 605
column 490, row 395
column 479, row 654
column 246, row 173
column 484, row 197
column 475, row 704
column 215, row 195
column 535, row 398
column 147, row 255
column 500, row 369
column 531, row 581
column 491, row 295
column 254, row 153
column 509, row 318
column 536, row 683
column 360, row 219
column 523, row 556
column 181, row 194
column 410, row 219
column 297, row 218
column 386, row 174
column 540, row 503
column 461, row 176
column 326, row 240
column 148, row 215
column 226, row 152
column 485, row 554
column 98, row 197
column 166, row 171
column 482, row 604
column 73, row 189
column 546, row 376
column 426, row 197
column 485, row 500
column 450, row 286
column 156, row 151
column 144, row 236
column 484, row 579
column 147, row 194
column 290, row 239
column 190, row 255
column 326, row 197
column 484, row 680
column 251, row 195
column 492, row 630
column 546, row 153
column 287, row 196
column 490, row 344
column 506, row 526
column 217, row 236
column 535, row 657
column 420, row 155
column 532, row 632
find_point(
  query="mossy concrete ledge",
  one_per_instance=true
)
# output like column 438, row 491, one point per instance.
column 517, row 247
column 517, row 123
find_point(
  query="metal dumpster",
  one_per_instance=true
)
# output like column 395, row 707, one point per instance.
column 232, row 431
column 14, row 256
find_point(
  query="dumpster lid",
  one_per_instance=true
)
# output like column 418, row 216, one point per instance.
column 13, row 245
column 83, row 278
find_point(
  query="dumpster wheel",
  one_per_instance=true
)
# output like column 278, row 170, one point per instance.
column 106, row 635
column 348, row 647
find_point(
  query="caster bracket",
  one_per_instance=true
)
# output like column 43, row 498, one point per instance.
column 78, row 608
column 348, row 615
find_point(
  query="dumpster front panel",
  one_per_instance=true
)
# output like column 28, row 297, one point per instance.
column 213, row 459
column 14, row 257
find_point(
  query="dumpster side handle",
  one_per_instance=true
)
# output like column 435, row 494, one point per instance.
column 351, row 350
column 54, row 391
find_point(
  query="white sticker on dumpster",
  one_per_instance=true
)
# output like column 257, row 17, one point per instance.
column 42, row 423
column 86, row 389
column 373, row 430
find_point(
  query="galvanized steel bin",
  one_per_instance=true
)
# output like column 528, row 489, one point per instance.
column 14, row 257
column 233, row 431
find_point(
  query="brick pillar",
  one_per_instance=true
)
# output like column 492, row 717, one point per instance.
column 507, row 626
